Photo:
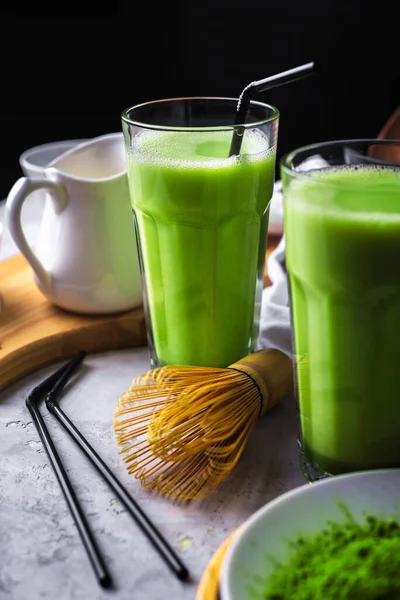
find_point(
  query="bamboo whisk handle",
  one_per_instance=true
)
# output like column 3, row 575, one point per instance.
column 272, row 371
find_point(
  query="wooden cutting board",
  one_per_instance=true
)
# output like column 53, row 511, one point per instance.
column 35, row 333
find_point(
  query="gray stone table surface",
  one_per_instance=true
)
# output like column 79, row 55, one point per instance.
column 41, row 555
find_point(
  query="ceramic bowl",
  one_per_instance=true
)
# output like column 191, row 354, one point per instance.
column 302, row 511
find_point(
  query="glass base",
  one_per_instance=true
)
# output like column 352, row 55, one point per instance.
column 311, row 471
column 154, row 364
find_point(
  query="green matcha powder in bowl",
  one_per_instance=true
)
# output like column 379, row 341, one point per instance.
column 349, row 560
column 334, row 539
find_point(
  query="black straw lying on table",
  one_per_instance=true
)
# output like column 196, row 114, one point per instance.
column 49, row 390
column 54, row 384
column 154, row 536
column 261, row 86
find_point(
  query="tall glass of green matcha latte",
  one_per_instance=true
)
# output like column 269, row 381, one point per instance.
column 342, row 227
column 201, row 219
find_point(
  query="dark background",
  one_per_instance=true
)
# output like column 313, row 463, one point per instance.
column 68, row 70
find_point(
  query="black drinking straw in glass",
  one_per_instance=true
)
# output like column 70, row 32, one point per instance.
column 260, row 86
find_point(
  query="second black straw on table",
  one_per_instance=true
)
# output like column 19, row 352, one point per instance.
column 49, row 391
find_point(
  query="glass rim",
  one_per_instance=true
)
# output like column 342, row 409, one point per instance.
column 286, row 160
column 126, row 119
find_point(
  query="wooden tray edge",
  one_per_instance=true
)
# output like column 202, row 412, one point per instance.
column 208, row 588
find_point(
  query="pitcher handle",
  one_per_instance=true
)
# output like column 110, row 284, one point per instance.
column 21, row 189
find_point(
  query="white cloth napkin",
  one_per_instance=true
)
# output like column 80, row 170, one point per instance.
column 275, row 326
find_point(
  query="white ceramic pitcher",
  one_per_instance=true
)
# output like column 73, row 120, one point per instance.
column 85, row 259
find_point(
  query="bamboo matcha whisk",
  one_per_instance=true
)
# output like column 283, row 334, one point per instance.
column 182, row 429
